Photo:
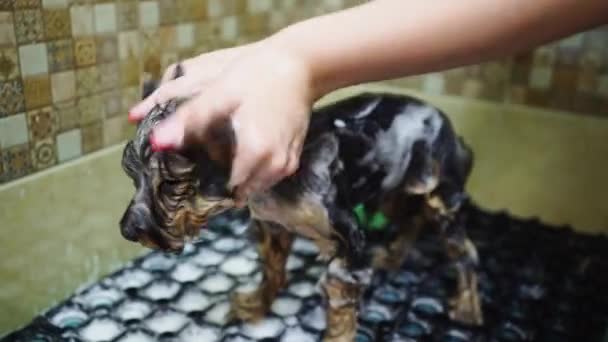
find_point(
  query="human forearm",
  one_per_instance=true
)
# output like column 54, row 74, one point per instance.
column 386, row 39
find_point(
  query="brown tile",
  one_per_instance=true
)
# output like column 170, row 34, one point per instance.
column 588, row 103
column 190, row 10
column 87, row 81
column 167, row 38
column 128, row 15
column 28, row 26
column 521, row 69
column 168, row 58
column 538, row 97
column 19, row 4
column 107, row 49
column 84, row 51
column 563, row 87
column 37, row 91
column 61, row 55
column 255, row 23
column 6, row 5
column 44, row 154
column 168, row 11
column 109, row 78
column 92, row 137
column 42, row 123
column 112, row 104
column 57, row 23
column 67, row 114
column 7, row 29
column 12, row 98
column 16, row 161
column 91, row 109
column 516, row 94
column 150, row 40
column 9, row 64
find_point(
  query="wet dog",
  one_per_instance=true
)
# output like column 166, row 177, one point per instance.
column 392, row 155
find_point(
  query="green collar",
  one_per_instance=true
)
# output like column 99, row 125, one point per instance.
column 368, row 220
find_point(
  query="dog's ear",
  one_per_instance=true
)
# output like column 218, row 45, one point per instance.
column 317, row 162
column 220, row 143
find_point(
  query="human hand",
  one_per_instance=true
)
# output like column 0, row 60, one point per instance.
column 264, row 90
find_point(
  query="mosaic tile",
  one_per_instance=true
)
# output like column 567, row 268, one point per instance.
column 20, row 4
column 215, row 8
column 85, row 51
column 206, row 33
column 63, row 85
column 229, row 29
column 67, row 115
column 87, row 81
column 128, row 15
column 7, row 29
column 43, row 154
column 113, row 130
column 57, row 24
column 12, row 98
column 149, row 14
column 69, row 145
column 60, row 55
column 92, row 137
column 105, row 18
column 28, row 26
column 17, row 161
column 33, row 59
column 259, row 6
column 185, row 35
column 13, row 131
column 42, row 124
column 277, row 20
column 168, row 11
column 112, row 103
column 107, row 48
column 37, row 90
column 91, row 109
column 9, row 64
column 128, row 45
column 54, row 4
column 191, row 10
column 82, row 20
column 109, row 76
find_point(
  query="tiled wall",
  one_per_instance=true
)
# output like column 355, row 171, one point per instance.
column 70, row 69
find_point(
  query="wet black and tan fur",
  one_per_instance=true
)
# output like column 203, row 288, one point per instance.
column 393, row 153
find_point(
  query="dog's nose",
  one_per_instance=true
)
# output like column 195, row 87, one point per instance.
column 132, row 223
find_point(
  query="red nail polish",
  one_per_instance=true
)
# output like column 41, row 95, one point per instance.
column 131, row 117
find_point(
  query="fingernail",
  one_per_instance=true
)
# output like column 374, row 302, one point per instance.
column 132, row 117
column 158, row 145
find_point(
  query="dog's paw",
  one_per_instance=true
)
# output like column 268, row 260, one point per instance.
column 248, row 307
column 466, row 308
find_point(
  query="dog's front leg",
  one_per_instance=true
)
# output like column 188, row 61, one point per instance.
column 465, row 305
column 274, row 245
column 341, row 289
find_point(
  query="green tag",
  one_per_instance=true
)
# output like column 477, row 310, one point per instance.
column 359, row 211
column 378, row 221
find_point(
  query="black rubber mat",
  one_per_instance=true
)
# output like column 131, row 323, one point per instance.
column 538, row 283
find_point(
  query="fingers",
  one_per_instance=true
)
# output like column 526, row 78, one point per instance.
column 181, row 87
column 190, row 120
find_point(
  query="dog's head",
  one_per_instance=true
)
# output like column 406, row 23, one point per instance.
column 176, row 192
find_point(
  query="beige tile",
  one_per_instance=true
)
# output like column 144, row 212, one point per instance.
column 185, row 35
column 26, row 4
column 92, row 137
column 113, row 130
column 82, row 20
column 229, row 28
column 130, row 71
column 67, row 115
column 53, row 4
column 109, row 77
column 259, row 6
column 9, row 64
column 33, row 59
column 128, row 15
column 37, row 90
column 107, row 48
column 128, row 45
column 168, row 12
column 63, row 85
column 91, row 109
column 7, row 29
column 167, row 37
column 130, row 97
column 215, row 8
column 69, row 145
column 87, row 81
column 149, row 15
column 105, row 18
column 112, row 104
column 13, row 130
